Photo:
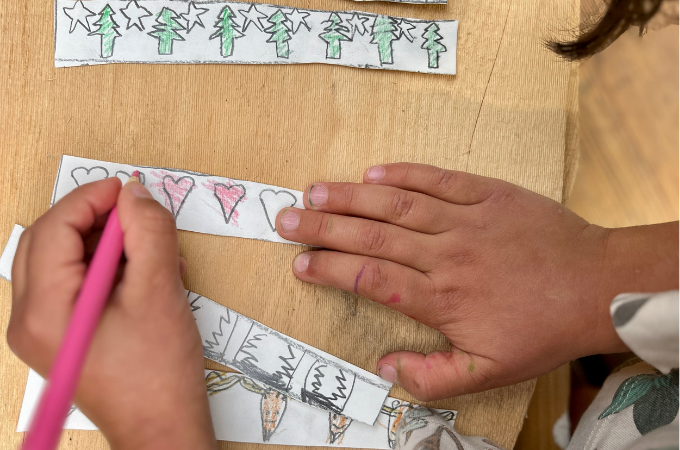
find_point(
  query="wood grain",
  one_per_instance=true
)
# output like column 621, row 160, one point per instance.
column 506, row 114
column 628, row 173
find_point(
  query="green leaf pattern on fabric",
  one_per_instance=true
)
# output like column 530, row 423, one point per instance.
column 654, row 397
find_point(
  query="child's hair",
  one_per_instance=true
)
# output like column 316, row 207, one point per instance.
column 618, row 17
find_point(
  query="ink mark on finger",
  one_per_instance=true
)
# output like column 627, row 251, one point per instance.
column 356, row 281
column 395, row 298
column 309, row 195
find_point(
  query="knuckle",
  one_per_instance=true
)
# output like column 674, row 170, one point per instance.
column 375, row 277
column 443, row 181
column 402, row 205
column 347, row 196
column 321, row 225
column 503, row 194
column 461, row 256
column 319, row 266
column 421, row 387
column 447, row 305
column 27, row 334
column 401, row 171
column 373, row 238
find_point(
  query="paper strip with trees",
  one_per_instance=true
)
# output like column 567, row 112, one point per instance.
column 215, row 32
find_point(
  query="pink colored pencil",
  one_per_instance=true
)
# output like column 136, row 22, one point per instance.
column 61, row 386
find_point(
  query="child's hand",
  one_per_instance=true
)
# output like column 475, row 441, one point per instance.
column 143, row 381
column 518, row 283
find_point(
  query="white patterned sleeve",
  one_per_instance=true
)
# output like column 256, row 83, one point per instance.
column 648, row 325
column 424, row 429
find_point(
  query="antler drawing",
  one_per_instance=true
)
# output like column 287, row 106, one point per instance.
column 337, row 425
column 272, row 405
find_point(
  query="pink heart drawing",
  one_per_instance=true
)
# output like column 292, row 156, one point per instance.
column 177, row 191
column 229, row 197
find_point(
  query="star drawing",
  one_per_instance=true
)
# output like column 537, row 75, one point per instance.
column 357, row 24
column 134, row 14
column 193, row 16
column 252, row 15
column 296, row 19
column 78, row 15
column 405, row 28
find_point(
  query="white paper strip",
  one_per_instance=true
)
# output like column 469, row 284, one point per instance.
column 291, row 367
column 282, row 363
column 8, row 253
column 212, row 32
column 199, row 202
column 242, row 411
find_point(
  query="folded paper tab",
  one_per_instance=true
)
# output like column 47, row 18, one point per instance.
column 213, row 32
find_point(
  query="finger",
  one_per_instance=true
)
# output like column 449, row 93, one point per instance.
column 453, row 186
column 436, row 375
column 390, row 284
column 412, row 210
column 54, row 260
column 150, row 243
column 182, row 267
column 357, row 236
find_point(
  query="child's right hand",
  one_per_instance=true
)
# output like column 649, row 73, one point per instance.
column 143, row 382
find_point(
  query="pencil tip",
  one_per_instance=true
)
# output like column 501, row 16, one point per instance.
column 133, row 177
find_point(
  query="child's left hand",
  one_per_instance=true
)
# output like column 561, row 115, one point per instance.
column 517, row 282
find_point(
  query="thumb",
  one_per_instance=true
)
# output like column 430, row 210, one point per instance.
column 150, row 241
column 436, row 375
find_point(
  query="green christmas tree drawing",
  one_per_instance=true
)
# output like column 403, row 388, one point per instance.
column 432, row 45
column 165, row 30
column 279, row 33
column 334, row 34
column 227, row 31
column 108, row 31
column 383, row 35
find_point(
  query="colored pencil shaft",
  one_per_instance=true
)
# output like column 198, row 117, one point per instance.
column 63, row 378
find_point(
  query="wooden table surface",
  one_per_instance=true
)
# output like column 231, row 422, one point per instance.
column 509, row 113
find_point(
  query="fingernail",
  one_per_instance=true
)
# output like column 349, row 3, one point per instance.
column 318, row 195
column 375, row 173
column 290, row 220
column 139, row 190
column 388, row 373
column 301, row 262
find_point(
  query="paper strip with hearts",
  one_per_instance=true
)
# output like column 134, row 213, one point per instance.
column 281, row 363
column 201, row 203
